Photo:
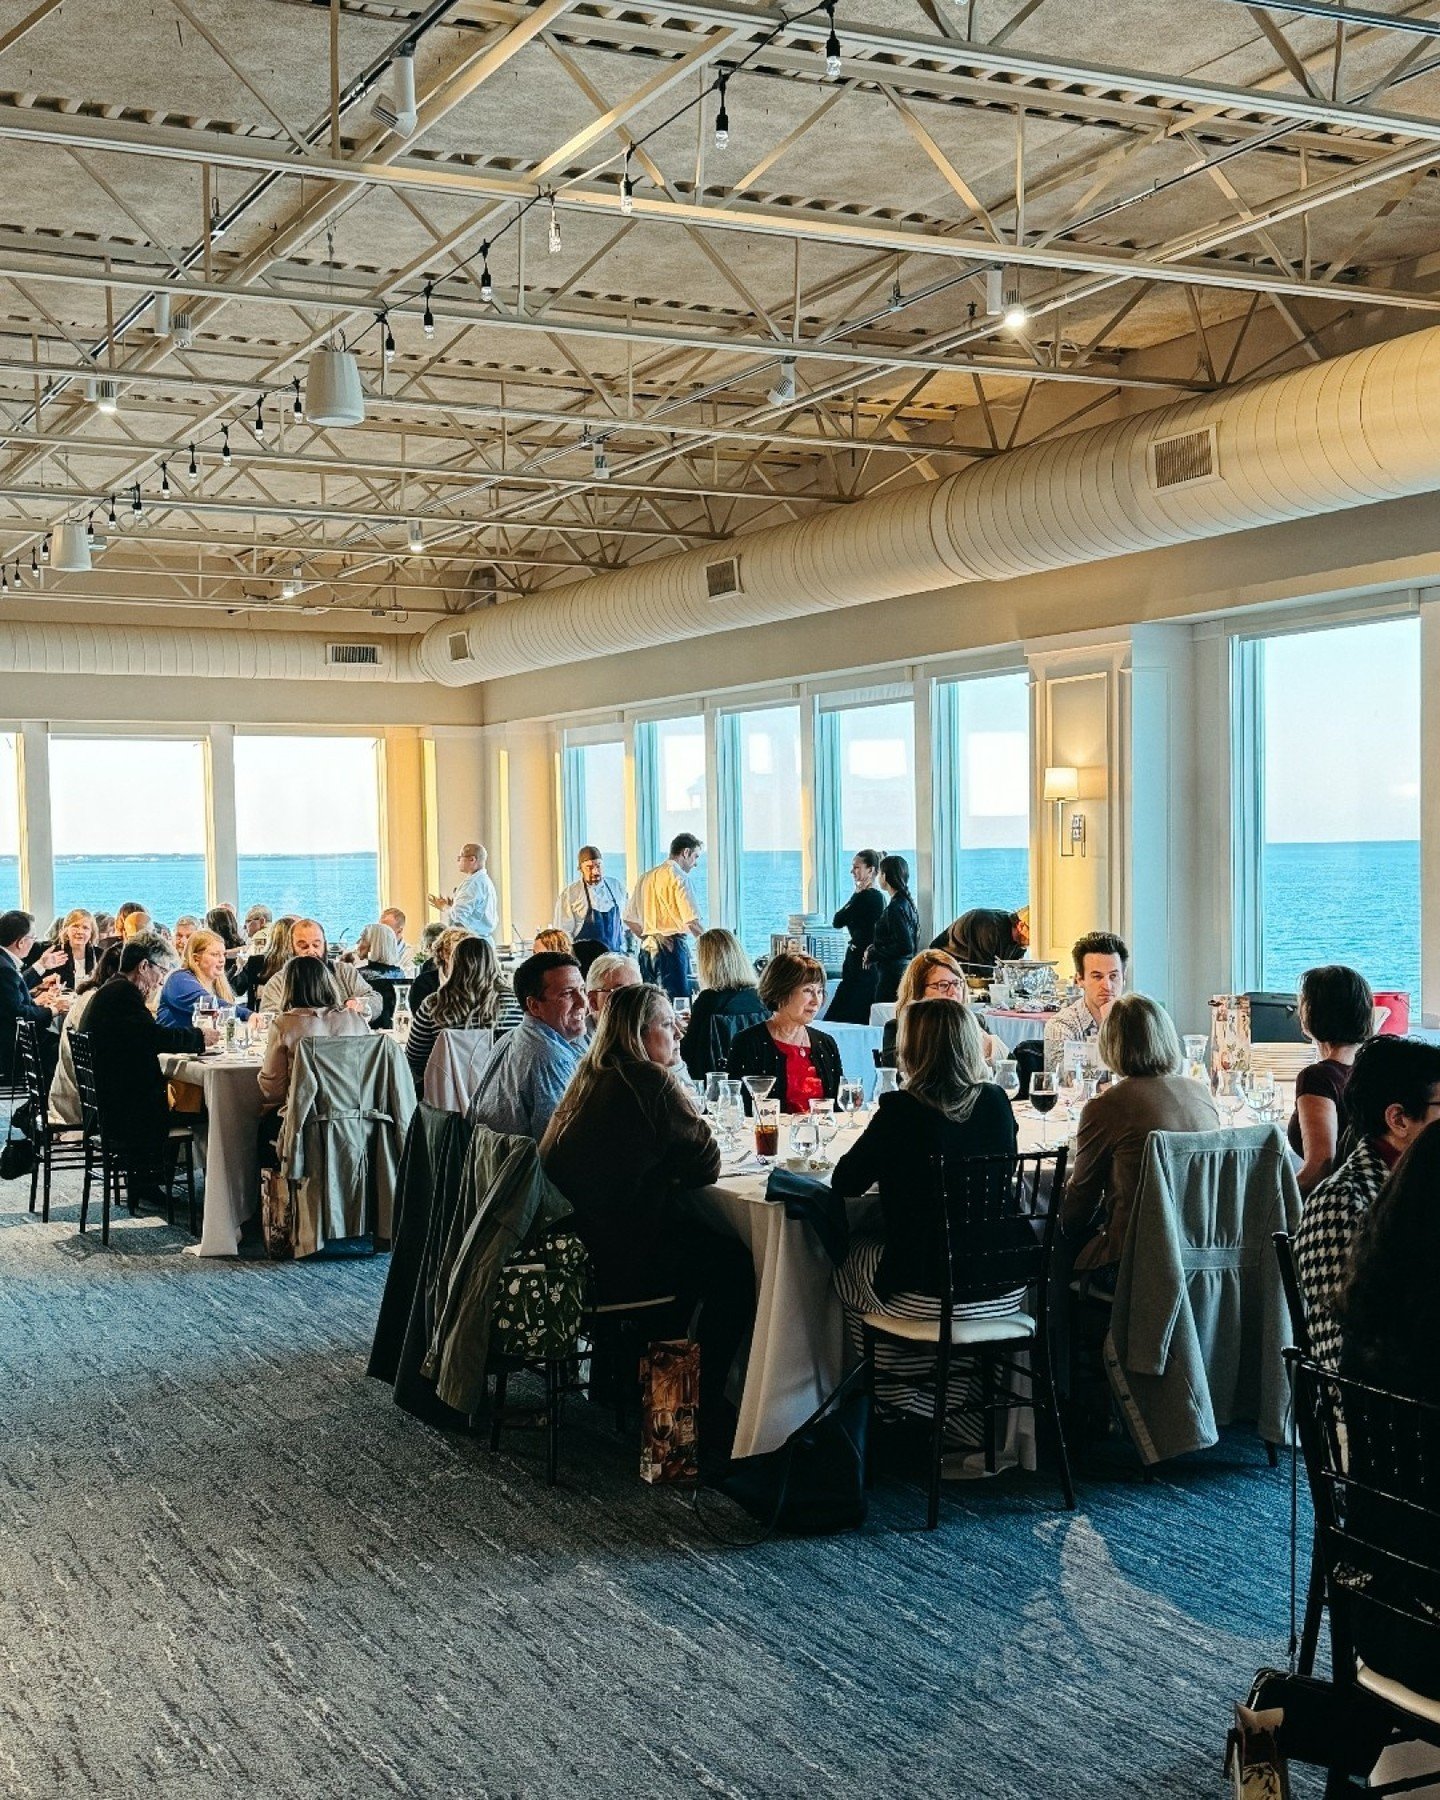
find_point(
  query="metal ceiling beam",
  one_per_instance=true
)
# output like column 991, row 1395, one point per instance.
column 1351, row 15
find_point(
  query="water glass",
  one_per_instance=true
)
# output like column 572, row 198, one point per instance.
column 826, row 1125
column 850, row 1099
column 1195, row 1047
column 804, row 1138
column 887, row 1081
column 1229, row 1096
column 1007, row 1078
column 715, row 1083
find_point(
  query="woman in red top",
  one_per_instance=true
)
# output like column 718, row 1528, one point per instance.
column 805, row 1063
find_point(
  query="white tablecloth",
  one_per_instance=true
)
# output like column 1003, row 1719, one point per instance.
column 229, row 1147
column 857, row 1045
column 453, row 1071
column 881, row 1013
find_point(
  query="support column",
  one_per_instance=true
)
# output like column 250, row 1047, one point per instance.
column 37, row 849
column 222, row 857
column 402, row 822
column 1430, row 806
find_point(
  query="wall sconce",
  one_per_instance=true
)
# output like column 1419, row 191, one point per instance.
column 1062, row 784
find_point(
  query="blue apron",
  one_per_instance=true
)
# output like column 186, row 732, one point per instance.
column 669, row 967
column 601, row 927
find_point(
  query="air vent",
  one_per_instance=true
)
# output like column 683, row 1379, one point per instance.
column 1178, row 461
column 723, row 578
column 458, row 644
column 350, row 656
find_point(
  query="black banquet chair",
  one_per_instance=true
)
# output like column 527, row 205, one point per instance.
column 997, row 1217
column 55, row 1146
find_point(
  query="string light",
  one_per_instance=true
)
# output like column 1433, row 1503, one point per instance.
column 295, row 407
column 4, row 580
column 34, row 561
column 384, row 319
column 832, row 46
column 110, row 515
column 259, row 426
column 554, row 237
column 90, row 528
column 487, row 286
column 194, row 466
column 627, row 190
column 600, row 464
column 164, row 481
column 137, row 505
column 722, row 117
column 225, row 455
column 19, row 579
column 428, row 319
column 217, row 224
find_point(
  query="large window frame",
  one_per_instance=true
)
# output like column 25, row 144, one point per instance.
column 948, row 774
column 729, row 785
column 576, row 826
column 832, row 709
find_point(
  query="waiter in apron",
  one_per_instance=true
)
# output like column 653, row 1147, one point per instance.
column 592, row 909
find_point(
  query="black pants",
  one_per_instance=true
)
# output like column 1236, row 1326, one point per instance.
column 148, row 1160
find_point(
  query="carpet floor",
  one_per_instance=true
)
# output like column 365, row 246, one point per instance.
column 233, row 1566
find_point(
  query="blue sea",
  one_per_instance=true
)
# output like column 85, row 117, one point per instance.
column 1352, row 903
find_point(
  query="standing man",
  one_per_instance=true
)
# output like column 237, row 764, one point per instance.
column 474, row 905
column 1101, row 960
column 663, row 915
column 592, row 910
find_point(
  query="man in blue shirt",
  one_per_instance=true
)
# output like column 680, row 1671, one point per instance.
column 532, row 1065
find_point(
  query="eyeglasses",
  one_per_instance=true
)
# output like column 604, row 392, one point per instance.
column 815, row 992
column 950, row 986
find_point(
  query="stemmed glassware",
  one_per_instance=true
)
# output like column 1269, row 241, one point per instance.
column 1044, row 1093
column 804, row 1138
column 826, row 1125
column 1007, row 1078
column 714, row 1090
column 1229, row 1095
column 758, row 1087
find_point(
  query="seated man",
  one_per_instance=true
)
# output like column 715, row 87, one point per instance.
column 127, row 1044
column 607, row 973
column 1101, row 960
column 1394, row 1093
column 307, row 938
column 17, row 1001
column 395, row 919
column 532, row 1065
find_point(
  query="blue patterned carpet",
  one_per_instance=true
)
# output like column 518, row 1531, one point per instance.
column 232, row 1566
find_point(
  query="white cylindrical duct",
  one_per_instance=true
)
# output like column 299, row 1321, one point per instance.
column 59, row 649
column 1359, row 428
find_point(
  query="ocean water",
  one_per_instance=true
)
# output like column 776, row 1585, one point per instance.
column 1351, row 903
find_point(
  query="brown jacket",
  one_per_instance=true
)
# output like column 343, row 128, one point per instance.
column 1109, row 1152
column 286, row 1033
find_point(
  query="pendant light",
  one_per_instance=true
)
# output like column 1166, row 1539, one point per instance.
column 333, row 395
column 70, row 553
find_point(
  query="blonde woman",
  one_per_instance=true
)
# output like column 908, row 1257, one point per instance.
column 932, row 975
column 1137, row 1041
column 622, row 1145
column 261, row 966
column 554, row 938
column 377, row 957
column 433, row 971
column 78, row 943
column 468, row 998
column 199, row 981
column 727, row 1004
column 948, row 1109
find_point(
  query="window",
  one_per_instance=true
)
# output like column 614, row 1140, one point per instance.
column 769, row 872
column 670, row 779
column 307, row 828
column 1339, row 877
column 982, row 756
column 868, row 758
column 594, row 784
column 128, row 823
column 10, row 824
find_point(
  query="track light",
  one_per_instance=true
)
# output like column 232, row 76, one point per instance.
column 399, row 114
column 722, row 116
column 162, row 315
column 1002, row 298
column 600, row 464
column 194, row 466
column 832, row 46
column 783, row 392
column 1015, row 314
column 333, row 395
column 182, row 330
column 554, row 233
column 428, row 317
column 225, row 455
column 292, row 584
column 627, row 190
column 415, row 537
column 164, row 481
column 487, row 286
column 104, row 393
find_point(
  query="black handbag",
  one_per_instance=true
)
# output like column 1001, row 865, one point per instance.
column 814, row 1484
column 17, row 1159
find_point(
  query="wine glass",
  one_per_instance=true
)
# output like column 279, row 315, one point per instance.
column 1044, row 1092
column 850, row 1099
column 1229, row 1096
column 826, row 1125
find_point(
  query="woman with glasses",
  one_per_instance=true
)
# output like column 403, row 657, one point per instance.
column 933, row 975
column 804, row 1063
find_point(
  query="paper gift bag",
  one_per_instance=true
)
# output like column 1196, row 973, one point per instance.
column 669, row 1405
column 1229, row 1034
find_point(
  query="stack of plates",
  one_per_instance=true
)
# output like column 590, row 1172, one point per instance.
column 1283, row 1061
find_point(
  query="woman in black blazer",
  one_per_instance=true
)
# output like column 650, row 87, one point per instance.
column 78, row 941
column 805, row 1063
column 897, row 934
column 858, row 916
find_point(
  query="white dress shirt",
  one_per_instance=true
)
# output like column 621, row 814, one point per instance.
column 475, row 906
column 661, row 904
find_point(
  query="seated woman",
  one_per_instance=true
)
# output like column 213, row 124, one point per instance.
column 222, row 921
column 308, row 1008
column 199, row 981
column 804, row 1063
column 79, row 944
column 438, row 942
column 554, row 938
column 1336, row 1013
column 1137, row 1041
column 377, row 957
column 948, row 1108
column 64, row 1100
column 727, row 992
column 468, row 999
column 623, row 1143
column 1390, row 1339
column 933, row 975
column 263, row 966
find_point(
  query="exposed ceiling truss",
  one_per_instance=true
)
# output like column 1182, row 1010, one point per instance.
column 614, row 336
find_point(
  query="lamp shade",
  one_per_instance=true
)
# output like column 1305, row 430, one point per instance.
column 1062, row 782
column 333, row 395
column 70, row 552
